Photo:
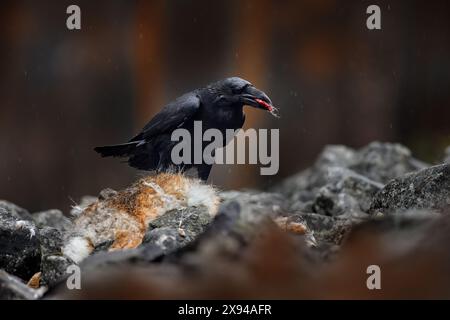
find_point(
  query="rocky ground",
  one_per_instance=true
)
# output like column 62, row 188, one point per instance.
column 312, row 236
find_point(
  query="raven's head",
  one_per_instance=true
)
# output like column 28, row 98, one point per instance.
column 239, row 91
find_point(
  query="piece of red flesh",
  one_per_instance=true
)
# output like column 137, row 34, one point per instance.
column 264, row 104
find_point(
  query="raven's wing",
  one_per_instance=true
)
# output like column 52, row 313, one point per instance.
column 172, row 116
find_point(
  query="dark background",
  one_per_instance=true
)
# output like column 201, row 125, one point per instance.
column 63, row 92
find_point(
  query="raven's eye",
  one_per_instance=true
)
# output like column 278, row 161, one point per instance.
column 240, row 90
column 221, row 97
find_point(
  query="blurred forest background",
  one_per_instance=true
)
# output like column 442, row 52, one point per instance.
column 63, row 92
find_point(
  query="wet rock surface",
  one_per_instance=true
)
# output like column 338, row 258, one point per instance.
column 176, row 228
column 54, row 269
column 349, row 209
column 342, row 173
column 52, row 218
column 427, row 189
column 19, row 246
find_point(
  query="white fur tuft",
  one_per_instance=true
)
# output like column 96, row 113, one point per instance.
column 77, row 249
column 198, row 194
column 22, row 224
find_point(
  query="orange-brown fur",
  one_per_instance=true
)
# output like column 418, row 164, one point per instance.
column 124, row 217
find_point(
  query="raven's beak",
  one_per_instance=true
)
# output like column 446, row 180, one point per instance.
column 256, row 98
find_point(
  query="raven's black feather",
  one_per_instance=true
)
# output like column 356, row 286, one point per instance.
column 218, row 106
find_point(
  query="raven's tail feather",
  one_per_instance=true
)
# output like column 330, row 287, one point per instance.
column 119, row 150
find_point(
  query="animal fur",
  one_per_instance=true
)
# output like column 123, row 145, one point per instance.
column 123, row 217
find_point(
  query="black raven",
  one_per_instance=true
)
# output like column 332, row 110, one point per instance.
column 218, row 105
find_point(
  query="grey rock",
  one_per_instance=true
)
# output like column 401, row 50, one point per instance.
column 15, row 211
column 52, row 218
column 343, row 181
column 13, row 288
column 245, row 213
column 20, row 252
column 336, row 156
column 405, row 232
column 234, row 226
column 168, row 239
column 53, row 263
column 315, row 189
column 265, row 203
column 176, row 228
column 346, row 193
column 54, row 269
column 377, row 161
column 173, row 230
column 427, row 189
column 192, row 220
column 51, row 240
column 142, row 255
column 382, row 162
column 301, row 186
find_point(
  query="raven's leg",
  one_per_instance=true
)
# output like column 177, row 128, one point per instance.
column 203, row 171
column 164, row 163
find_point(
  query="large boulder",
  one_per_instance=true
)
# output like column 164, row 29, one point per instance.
column 20, row 251
column 382, row 162
column 346, row 193
column 14, row 211
column 177, row 227
column 427, row 189
column 343, row 181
